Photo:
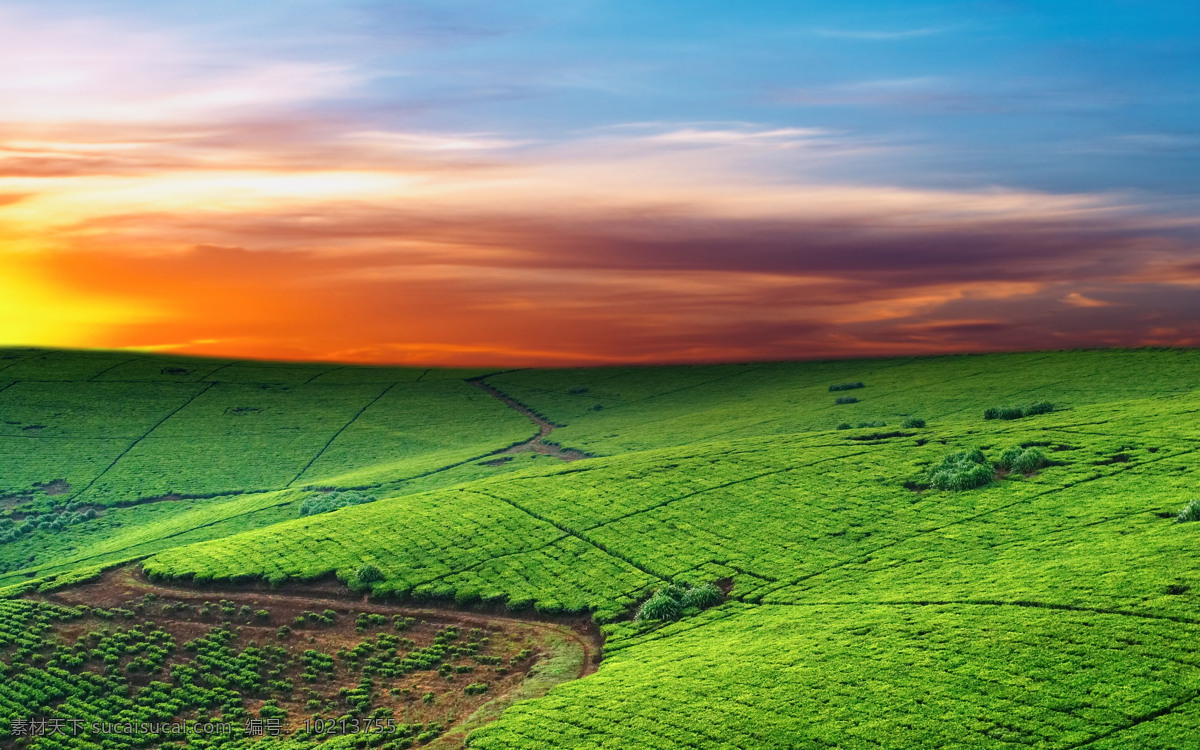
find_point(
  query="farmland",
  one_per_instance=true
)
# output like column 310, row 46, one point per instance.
column 976, row 551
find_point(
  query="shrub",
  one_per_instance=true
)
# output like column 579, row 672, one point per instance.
column 845, row 400
column 1023, row 460
column 330, row 501
column 702, row 597
column 368, row 574
column 1017, row 412
column 847, row 386
column 1030, row 461
column 963, row 470
column 475, row 688
column 670, row 601
column 1190, row 512
column 844, row 426
column 674, row 590
column 1041, row 407
column 1003, row 412
column 661, row 606
column 912, row 422
column 577, row 390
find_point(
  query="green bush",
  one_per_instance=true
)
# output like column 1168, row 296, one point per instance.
column 1041, row 407
column 845, row 400
column 674, row 590
column 1030, row 461
column 962, row 470
column 1017, row 412
column 1003, row 412
column 368, row 574
column 661, row 606
column 1190, row 512
column 847, row 386
column 844, row 426
column 1023, row 460
column 331, row 501
column 702, row 597
column 912, row 422
column 670, row 601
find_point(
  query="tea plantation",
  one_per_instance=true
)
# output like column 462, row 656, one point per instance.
column 978, row 551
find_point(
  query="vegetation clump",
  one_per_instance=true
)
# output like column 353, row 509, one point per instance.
column 912, row 423
column 1018, row 412
column 367, row 574
column 331, row 501
column 1190, row 512
column 1023, row 460
column 847, row 386
column 962, row 470
column 702, row 597
column 845, row 400
column 675, row 600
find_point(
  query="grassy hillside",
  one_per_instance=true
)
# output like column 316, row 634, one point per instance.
column 898, row 570
column 154, row 448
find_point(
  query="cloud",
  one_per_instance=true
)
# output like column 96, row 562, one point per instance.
column 424, row 283
column 161, row 192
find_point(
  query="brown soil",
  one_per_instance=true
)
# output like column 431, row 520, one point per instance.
column 537, row 444
column 55, row 487
column 507, row 636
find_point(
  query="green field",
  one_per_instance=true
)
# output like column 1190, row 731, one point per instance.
column 1054, row 605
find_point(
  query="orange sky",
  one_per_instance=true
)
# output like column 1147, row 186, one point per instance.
column 222, row 212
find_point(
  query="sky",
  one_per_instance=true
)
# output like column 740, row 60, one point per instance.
column 540, row 183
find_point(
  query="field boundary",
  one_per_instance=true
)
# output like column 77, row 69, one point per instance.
column 92, row 379
column 572, row 532
column 1152, row 716
column 132, row 445
column 340, row 430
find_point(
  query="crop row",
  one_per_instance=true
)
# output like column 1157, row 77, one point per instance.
column 785, row 677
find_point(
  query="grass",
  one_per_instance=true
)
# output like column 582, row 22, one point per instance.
column 959, row 582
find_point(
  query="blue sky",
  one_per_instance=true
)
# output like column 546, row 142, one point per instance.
column 736, row 142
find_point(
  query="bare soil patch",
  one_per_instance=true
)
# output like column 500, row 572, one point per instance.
column 356, row 639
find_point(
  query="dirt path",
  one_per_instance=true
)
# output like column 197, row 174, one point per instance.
column 536, row 444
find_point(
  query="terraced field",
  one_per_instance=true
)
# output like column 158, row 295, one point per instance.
column 1049, row 597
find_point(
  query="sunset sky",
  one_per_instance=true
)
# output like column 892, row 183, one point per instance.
column 568, row 183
